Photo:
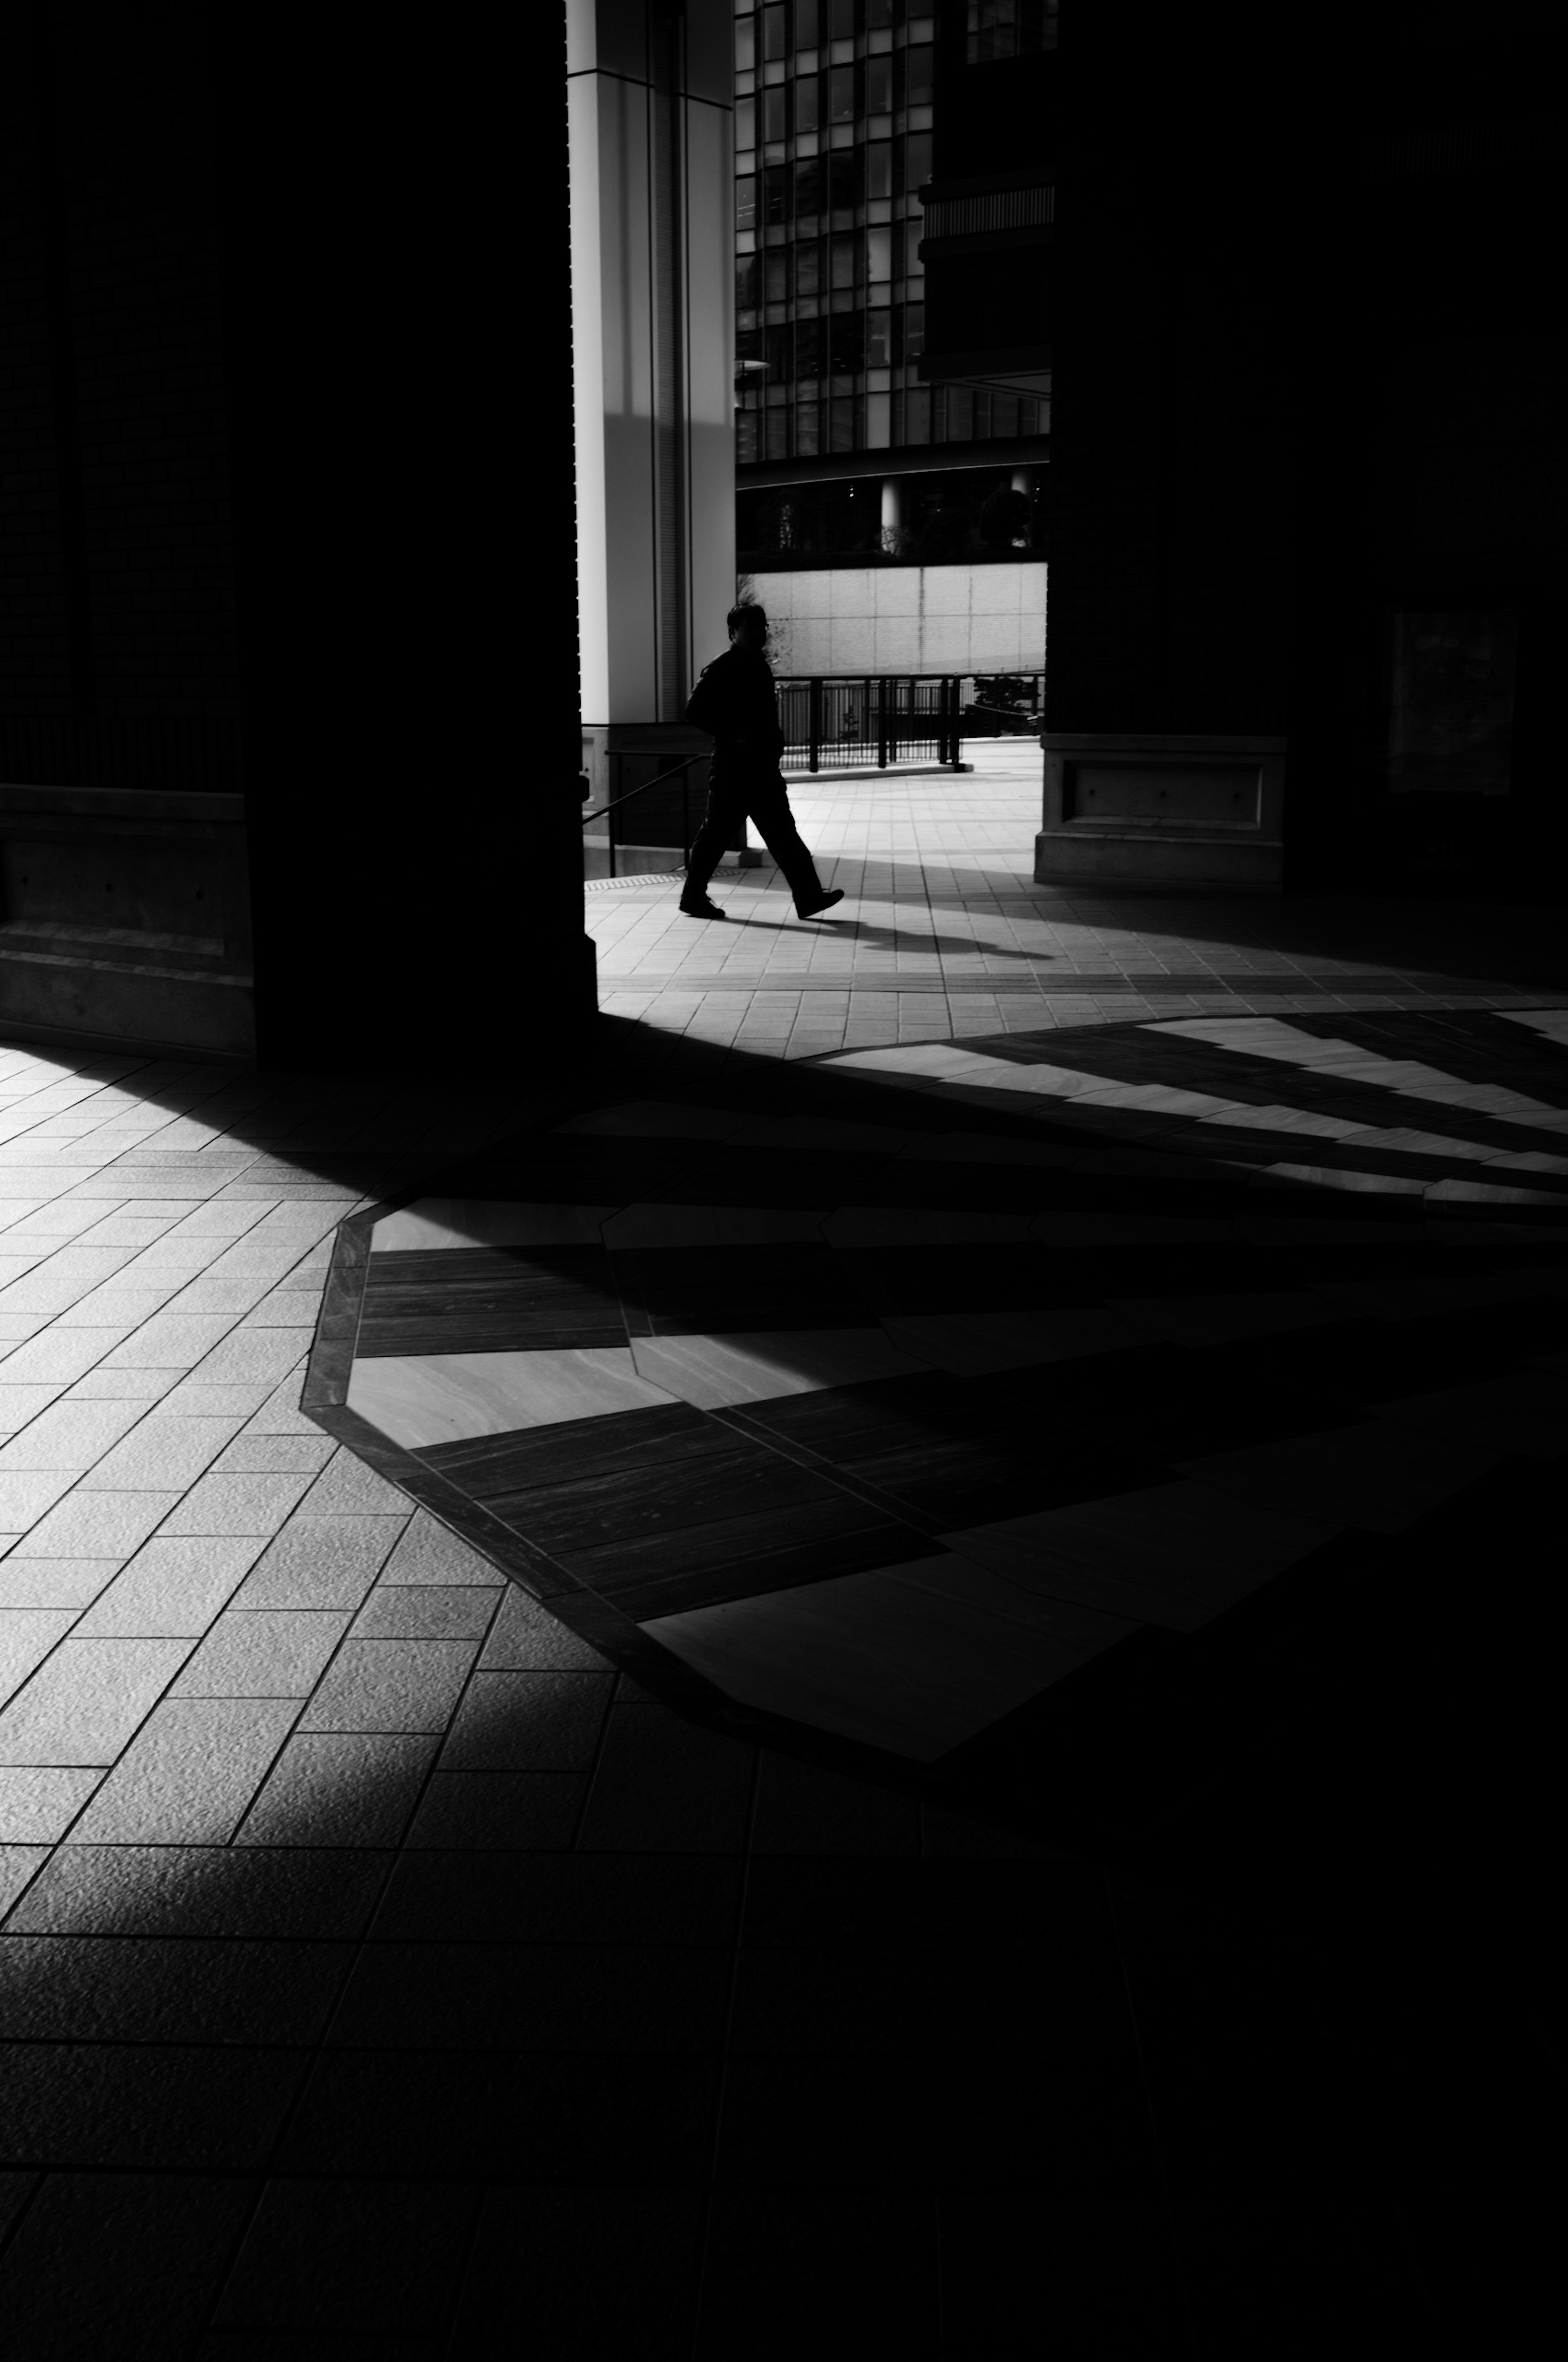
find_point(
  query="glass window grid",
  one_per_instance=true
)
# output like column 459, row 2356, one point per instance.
column 831, row 297
column 995, row 30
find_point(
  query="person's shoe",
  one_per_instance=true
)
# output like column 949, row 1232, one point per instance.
column 698, row 906
column 818, row 904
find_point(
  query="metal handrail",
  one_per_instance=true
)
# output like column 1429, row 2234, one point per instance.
column 616, row 801
column 677, row 770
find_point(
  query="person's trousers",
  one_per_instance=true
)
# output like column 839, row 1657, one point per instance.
column 764, row 798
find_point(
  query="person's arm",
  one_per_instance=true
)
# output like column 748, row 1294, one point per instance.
column 700, row 706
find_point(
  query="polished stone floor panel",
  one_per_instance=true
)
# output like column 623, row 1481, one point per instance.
column 1026, row 1373
column 855, row 1656
column 606, row 1444
column 739, row 1558
column 654, row 1506
column 455, row 1222
column 740, row 1367
column 1191, row 1539
column 424, row 1399
column 496, row 1298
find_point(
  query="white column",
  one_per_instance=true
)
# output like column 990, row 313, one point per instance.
column 650, row 116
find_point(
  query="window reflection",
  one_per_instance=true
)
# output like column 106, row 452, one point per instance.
column 837, row 288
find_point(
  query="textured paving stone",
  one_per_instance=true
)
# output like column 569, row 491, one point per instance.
column 530, row 1812
column 428, row 1552
column 341, row 1789
column 115, row 1988
column 171, row 1341
column 26, row 1495
column 19, row 1863
column 39, row 1801
column 237, row 1505
column 661, row 1787
column 163, row 1450
column 256, row 1454
column 427, row 1612
column 525, row 1639
column 97, row 2251
column 146, row 2105
column 174, row 1586
column 27, row 1636
column 58, row 1355
column 348, row 1488
column 529, row 1722
column 70, row 1435
column 361, row 2260
column 190, row 1774
column 82, row 1706
column 390, row 1685
column 237, row 1890
column 268, row 1652
column 97, row 1525
column 322, row 1562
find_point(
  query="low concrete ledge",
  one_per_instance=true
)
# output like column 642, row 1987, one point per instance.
column 1160, row 814
column 125, row 917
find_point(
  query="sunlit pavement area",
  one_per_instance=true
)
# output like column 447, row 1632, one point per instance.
column 944, row 933
column 388, row 1971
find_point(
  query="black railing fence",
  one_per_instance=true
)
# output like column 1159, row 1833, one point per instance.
column 882, row 719
column 828, row 724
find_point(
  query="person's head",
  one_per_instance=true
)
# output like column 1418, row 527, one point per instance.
column 747, row 627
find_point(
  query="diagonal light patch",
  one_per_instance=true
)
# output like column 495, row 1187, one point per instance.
column 1552, row 1022
column 446, row 1222
column 1063, row 1085
column 1270, row 1037
column 1069, row 1089
column 417, row 1399
column 715, row 1372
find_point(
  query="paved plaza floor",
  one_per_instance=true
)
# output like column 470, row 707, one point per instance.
column 1159, row 1310
column 944, row 933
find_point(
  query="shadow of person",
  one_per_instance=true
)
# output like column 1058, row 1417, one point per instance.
column 847, row 927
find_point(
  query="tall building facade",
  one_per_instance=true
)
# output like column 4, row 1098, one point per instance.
column 851, row 454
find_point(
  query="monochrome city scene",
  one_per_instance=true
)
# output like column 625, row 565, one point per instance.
column 783, row 1179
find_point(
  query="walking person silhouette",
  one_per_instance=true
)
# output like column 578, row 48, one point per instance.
column 736, row 703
